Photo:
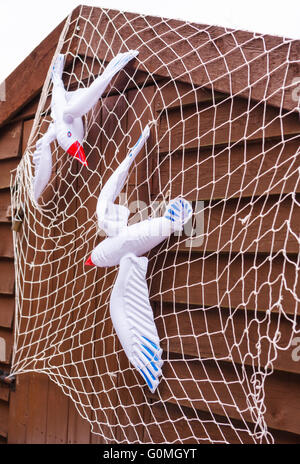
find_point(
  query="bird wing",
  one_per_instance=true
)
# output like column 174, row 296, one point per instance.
column 113, row 218
column 133, row 319
column 42, row 159
column 82, row 102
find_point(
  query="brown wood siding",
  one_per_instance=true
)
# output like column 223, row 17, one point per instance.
column 39, row 411
column 10, row 151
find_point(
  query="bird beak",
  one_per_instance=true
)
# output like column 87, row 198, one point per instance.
column 77, row 152
column 89, row 262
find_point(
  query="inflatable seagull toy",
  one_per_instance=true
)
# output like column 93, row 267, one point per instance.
column 67, row 109
column 130, row 308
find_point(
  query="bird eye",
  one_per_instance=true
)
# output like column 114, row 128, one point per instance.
column 69, row 134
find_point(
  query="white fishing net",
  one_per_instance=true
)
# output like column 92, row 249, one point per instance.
column 222, row 108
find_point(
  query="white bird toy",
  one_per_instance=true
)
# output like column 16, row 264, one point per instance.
column 67, row 109
column 130, row 308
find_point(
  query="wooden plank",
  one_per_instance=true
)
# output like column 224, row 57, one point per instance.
column 226, row 335
column 197, row 53
column 5, row 209
column 33, row 336
column 58, row 324
column 4, row 388
column 3, row 418
column 174, row 423
column 183, row 425
column 10, row 139
column 27, row 126
column 284, row 438
column 29, row 110
column 223, row 389
column 57, row 415
column 6, row 168
column 7, row 308
column 37, row 408
column 236, row 281
column 7, row 285
column 272, row 225
column 175, row 95
column 156, row 57
column 4, row 392
column 249, row 170
column 6, row 241
column 229, row 122
column 18, row 410
column 33, row 268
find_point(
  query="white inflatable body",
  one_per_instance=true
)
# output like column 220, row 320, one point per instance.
column 130, row 307
column 67, row 109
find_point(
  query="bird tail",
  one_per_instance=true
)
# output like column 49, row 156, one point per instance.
column 178, row 211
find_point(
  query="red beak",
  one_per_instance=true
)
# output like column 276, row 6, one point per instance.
column 89, row 262
column 77, row 151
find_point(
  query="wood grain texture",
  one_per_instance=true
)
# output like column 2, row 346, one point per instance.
column 248, row 170
column 37, row 408
column 271, row 220
column 194, row 44
column 7, row 285
column 238, row 281
column 195, row 53
column 7, row 307
column 5, row 209
column 226, row 389
column 18, row 411
column 171, row 95
column 4, row 414
column 6, row 241
column 10, row 139
column 57, row 415
column 27, row 126
column 179, row 423
column 226, row 335
column 6, row 171
column 4, row 388
column 228, row 122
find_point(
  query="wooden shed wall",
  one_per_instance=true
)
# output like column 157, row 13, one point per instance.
column 38, row 411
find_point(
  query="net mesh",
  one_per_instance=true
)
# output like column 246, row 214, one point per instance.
column 225, row 136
